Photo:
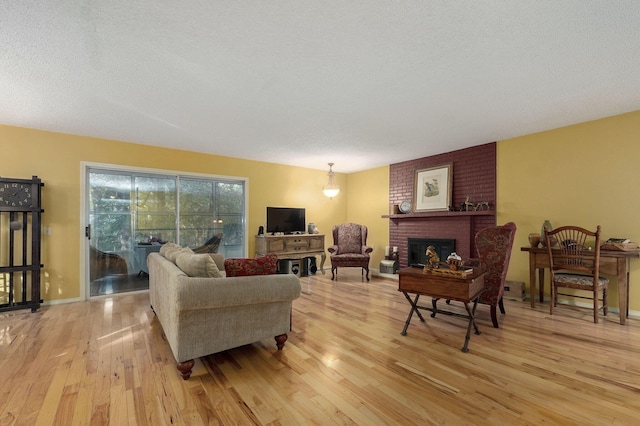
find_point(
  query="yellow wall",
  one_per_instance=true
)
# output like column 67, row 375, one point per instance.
column 368, row 200
column 56, row 158
column 586, row 174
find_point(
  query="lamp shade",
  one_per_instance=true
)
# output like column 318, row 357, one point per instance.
column 331, row 189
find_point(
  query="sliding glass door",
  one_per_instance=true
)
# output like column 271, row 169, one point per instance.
column 131, row 214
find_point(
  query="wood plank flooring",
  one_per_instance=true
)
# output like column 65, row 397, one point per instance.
column 105, row 362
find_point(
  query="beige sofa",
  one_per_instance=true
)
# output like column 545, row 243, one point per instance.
column 202, row 316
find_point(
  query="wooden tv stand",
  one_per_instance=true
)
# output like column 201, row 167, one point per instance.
column 296, row 246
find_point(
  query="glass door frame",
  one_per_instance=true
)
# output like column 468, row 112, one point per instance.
column 85, row 293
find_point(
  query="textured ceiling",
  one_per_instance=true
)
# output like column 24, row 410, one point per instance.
column 305, row 82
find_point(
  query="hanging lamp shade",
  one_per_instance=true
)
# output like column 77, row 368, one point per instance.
column 331, row 189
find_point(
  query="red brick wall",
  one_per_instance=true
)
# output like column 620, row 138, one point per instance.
column 474, row 175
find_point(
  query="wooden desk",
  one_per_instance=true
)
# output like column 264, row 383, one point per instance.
column 612, row 262
column 465, row 290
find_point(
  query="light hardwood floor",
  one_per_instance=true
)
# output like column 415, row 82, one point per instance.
column 105, row 362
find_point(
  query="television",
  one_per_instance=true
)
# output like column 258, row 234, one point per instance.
column 288, row 220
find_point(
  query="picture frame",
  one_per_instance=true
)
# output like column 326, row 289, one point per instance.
column 432, row 188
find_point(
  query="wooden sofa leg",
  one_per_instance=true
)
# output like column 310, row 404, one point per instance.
column 280, row 341
column 185, row 368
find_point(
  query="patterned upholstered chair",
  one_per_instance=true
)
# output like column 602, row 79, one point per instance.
column 349, row 248
column 494, row 248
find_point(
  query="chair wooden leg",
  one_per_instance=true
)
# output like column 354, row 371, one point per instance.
column 605, row 301
column 367, row 269
column 494, row 316
column 501, row 306
column 333, row 272
column 595, row 306
column 552, row 288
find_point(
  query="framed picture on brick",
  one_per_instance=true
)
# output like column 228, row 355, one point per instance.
column 432, row 188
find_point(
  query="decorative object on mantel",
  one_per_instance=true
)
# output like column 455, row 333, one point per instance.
column 432, row 188
column 331, row 189
column 469, row 206
column 404, row 206
column 482, row 205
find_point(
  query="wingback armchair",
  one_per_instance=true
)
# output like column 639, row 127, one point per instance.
column 494, row 246
column 349, row 248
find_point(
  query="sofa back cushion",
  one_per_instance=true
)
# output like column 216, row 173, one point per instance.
column 242, row 267
column 173, row 255
column 197, row 265
column 169, row 247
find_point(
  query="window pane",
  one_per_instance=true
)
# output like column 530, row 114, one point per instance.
column 230, row 197
column 109, row 193
column 155, row 194
column 196, row 196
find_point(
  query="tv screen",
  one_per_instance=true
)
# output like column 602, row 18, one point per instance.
column 287, row 220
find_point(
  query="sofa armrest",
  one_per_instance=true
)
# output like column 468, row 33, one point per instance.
column 206, row 293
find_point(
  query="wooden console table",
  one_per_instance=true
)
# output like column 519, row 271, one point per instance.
column 293, row 247
column 465, row 290
column 612, row 262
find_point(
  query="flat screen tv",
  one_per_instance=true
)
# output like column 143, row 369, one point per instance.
column 288, row 220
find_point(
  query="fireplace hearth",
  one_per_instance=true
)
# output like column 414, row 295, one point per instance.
column 418, row 246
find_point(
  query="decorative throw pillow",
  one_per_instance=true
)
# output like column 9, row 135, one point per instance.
column 198, row 265
column 168, row 247
column 173, row 255
column 265, row 265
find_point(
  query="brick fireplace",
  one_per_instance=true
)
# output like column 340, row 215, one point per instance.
column 474, row 175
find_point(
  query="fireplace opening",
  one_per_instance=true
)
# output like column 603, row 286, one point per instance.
column 418, row 247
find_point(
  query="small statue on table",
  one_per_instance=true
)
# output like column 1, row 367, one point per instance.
column 433, row 260
column 454, row 261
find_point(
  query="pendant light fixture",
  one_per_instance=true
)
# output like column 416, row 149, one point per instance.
column 331, row 189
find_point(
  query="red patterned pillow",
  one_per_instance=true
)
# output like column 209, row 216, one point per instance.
column 246, row 267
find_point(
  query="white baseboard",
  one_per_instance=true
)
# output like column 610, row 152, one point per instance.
column 612, row 309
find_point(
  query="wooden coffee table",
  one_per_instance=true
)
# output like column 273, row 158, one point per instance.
column 465, row 288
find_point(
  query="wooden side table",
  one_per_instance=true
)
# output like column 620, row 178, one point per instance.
column 463, row 289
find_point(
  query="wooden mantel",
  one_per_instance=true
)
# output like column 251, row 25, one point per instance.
column 427, row 215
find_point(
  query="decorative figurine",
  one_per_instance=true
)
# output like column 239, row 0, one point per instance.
column 468, row 205
column 433, row 260
column 454, row 261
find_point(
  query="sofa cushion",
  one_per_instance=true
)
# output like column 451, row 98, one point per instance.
column 197, row 265
column 173, row 255
column 242, row 267
column 169, row 247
